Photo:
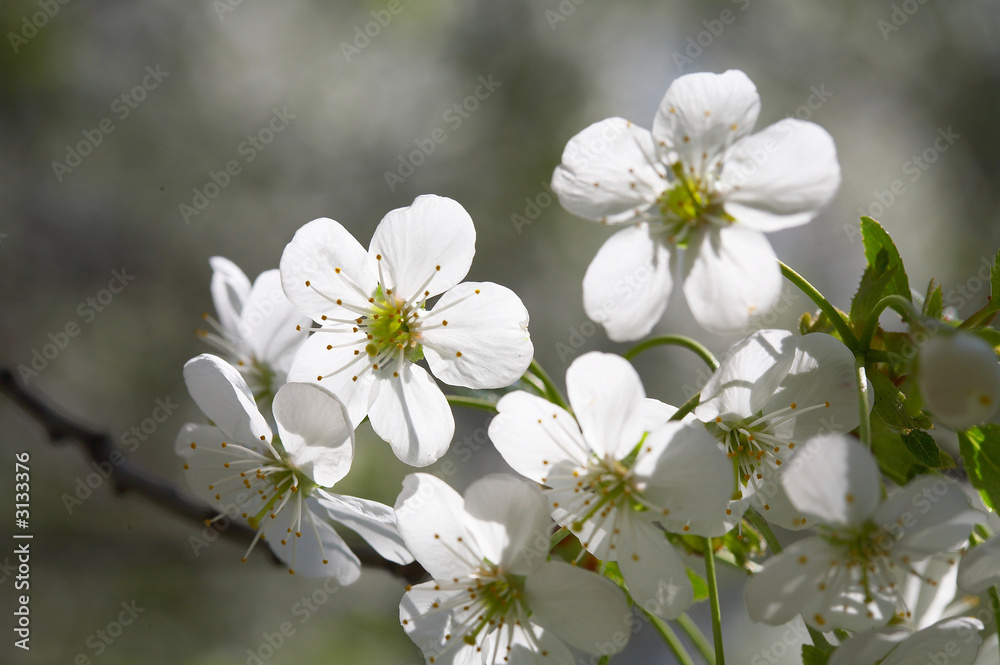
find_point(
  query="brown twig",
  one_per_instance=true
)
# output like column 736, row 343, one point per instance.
column 126, row 478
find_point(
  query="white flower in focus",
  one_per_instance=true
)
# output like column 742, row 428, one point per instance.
column 698, row 182
column 375, row 326
column 495, row 597
column 618, row 472
column 771, row 392
column 258, row 330
column 953, row 641
column 980, row 567
column 276, row 482
column 959, row 379
column 847, row 575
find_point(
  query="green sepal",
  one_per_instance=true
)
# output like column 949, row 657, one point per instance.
column 934, row 301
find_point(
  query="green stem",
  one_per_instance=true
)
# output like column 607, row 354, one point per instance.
column 532, row 382
column 552, row 392
column 687, row 407
column 713, row 599
column 861, row 378
column 764, row 528
column 558, row 537
column 831, row 312
column 898, row 303
column 676, row 340
column 472, row 403
column 697, row 637
column 670, row 637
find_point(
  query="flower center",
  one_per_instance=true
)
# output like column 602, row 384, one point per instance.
column 392, row 327
column 687, row 205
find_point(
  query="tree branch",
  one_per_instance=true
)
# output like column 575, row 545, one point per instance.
column 100, row 448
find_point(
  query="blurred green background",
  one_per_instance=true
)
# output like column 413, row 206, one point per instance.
column 883, row 78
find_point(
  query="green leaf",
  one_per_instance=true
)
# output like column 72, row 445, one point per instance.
column 894, row 459
column 934, row 301
column 874, row 283
column 699, row 584
column 813, row 655
column 890, row 405
column 980, row 448
column 877, row 240
column 923, row 447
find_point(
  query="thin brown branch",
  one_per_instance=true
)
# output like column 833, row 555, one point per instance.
column 62, row 429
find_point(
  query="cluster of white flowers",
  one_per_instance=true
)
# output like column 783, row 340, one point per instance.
column 622, row 495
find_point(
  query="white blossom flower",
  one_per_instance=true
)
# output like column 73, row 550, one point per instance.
column 374, row 324
column 953, row 641
column 495, row 596
column 847, row 575
column 699, row 181
column 959, row 379
column 618, row 472
column 773, row 391
column 258, row 330
column 989, row 653
column 980, row 567
column 277, row 482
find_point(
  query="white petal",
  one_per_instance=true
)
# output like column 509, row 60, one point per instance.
column 230, row 288
column 535, row 437
column 730, row 275
column 315, row 431
column 927, row 602
column 510, row 520
column 373, row 521
column 427, row 626
column 980, row 567
column 328, row 360
column 426, row 248
column 850, row 608
column 204, row 463
column 628, row 283
column 610, row 172
column 703, row 113
column 585, row 609
column 272, row 326
column 681, row 469
column 222, row 394
column 326, row 255
column 606, row 392
column 770, row 500
column 869, row 647
column 305, row 555
column 959, row 379
column 953, row 641
column 833, row 480
column 653, row 572
column 412, row 415
column 788, row 581
column 546, row 643
column 780, row 177
column 748, row 374
column 821, row 375
column 927, row 516
column 430, row 516
column 485, row 343
column 989, row 653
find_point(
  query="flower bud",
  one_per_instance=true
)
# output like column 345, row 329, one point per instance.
column 959, row 379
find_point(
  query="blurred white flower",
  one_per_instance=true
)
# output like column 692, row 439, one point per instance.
column 258, row 330
column 617, row 472
column 374, row 325
column 495, row 597
column 699, row 181
column 959, row 379
column 847, row 575
column 276, row 483
column 953, row 641
column 980, row 567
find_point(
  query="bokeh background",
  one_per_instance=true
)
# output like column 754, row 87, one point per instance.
column 886, row 79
